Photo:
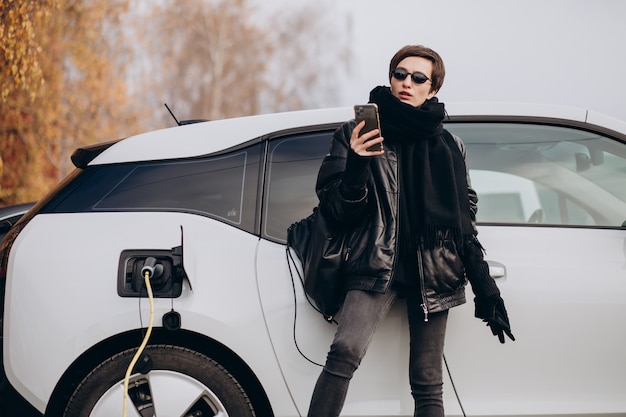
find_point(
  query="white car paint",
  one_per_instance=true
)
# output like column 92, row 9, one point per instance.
column 224, row 302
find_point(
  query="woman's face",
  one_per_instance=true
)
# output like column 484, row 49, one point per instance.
column 407, row 90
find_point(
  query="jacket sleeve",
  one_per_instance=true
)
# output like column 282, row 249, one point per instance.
column 476, row 268
column 342, row 203
column 473, row 196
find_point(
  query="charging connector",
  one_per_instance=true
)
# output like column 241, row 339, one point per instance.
column 150, row 270
column 166, row 272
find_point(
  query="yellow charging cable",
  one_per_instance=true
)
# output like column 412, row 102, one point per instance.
column 146, row 277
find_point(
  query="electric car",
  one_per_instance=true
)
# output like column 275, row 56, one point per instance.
column 9, row 215
column 155, row 279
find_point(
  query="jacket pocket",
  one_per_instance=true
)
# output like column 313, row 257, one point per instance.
column 443, row 269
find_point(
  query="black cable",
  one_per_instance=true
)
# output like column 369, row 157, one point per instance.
column 295, row 306
column 311, row 303
column 291, row 261
column 458, row 399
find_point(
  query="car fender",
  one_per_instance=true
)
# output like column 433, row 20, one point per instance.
column 221, row 273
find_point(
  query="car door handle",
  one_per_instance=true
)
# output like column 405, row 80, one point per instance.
column 496, row 270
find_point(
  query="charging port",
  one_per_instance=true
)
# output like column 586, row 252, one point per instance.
column 166, row 276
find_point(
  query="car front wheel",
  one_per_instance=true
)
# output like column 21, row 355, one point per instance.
column 168, row 381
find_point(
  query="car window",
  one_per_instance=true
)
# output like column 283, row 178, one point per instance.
column 524, row 174
column 214, row 186
column 293, row 164
column 536, row 174
column 222, row 186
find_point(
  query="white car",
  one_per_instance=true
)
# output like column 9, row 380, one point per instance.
column 233, row 334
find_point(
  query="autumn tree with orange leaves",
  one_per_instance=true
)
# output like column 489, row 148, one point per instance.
column 61, row 86
column 78, row 72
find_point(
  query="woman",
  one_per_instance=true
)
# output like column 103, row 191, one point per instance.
column 410, row 214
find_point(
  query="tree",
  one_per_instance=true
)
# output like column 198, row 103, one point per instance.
column 20, row 79
column 77, row 72
column 201, row 67
column 310, row 57
column 18, row 45
column 230, row 61
column 68, row 89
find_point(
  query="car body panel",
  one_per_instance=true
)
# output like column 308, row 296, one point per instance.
column 205, row 138
column 609, row 122
column 223, row 303
column 546, row 337
column 561, row 299
column 516, row 109
column 378, row 388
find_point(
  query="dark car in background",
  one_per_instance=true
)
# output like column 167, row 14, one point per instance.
column 9, row 215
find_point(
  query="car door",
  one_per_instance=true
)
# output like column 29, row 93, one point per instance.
column 301, row 337
column 552, row 211
column 550, row 215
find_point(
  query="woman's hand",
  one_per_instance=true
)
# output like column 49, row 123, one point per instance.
column 359, row 144
column 492, row 311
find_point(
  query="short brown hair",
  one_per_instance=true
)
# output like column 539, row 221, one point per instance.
column 439, row 70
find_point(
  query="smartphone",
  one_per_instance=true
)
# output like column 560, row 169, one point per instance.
column 369, row 113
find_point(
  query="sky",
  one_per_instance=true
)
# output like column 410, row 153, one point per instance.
column 565, row 52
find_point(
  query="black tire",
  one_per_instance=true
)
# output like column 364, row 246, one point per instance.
column 175, row 382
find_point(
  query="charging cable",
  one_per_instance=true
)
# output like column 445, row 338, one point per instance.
column 147, row 271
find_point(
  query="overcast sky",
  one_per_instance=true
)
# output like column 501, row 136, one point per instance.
column 568, row 52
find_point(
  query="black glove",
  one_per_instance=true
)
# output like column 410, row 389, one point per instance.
column 492, row 311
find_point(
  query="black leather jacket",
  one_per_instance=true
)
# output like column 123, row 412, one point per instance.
column 372, row 222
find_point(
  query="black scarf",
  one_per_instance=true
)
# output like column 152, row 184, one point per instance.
column 434, row 191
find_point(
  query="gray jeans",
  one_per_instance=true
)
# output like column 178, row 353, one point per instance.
column 361, row 314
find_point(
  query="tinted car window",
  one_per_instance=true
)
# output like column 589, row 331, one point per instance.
column 291, row 175
column 536, row 174
column 525, row 174
column 223, row 187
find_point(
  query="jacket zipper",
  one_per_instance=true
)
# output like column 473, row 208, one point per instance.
column 397, row 197
column 420, row 268
column 419, row 253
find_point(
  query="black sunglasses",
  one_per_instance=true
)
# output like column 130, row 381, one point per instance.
column 417, row 77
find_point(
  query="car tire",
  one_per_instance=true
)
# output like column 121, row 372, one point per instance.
column 167, row 380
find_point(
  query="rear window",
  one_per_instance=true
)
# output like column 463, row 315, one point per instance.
column 223, row 187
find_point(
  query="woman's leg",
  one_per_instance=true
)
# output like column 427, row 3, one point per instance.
column 426, row 359
column 360, row 315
